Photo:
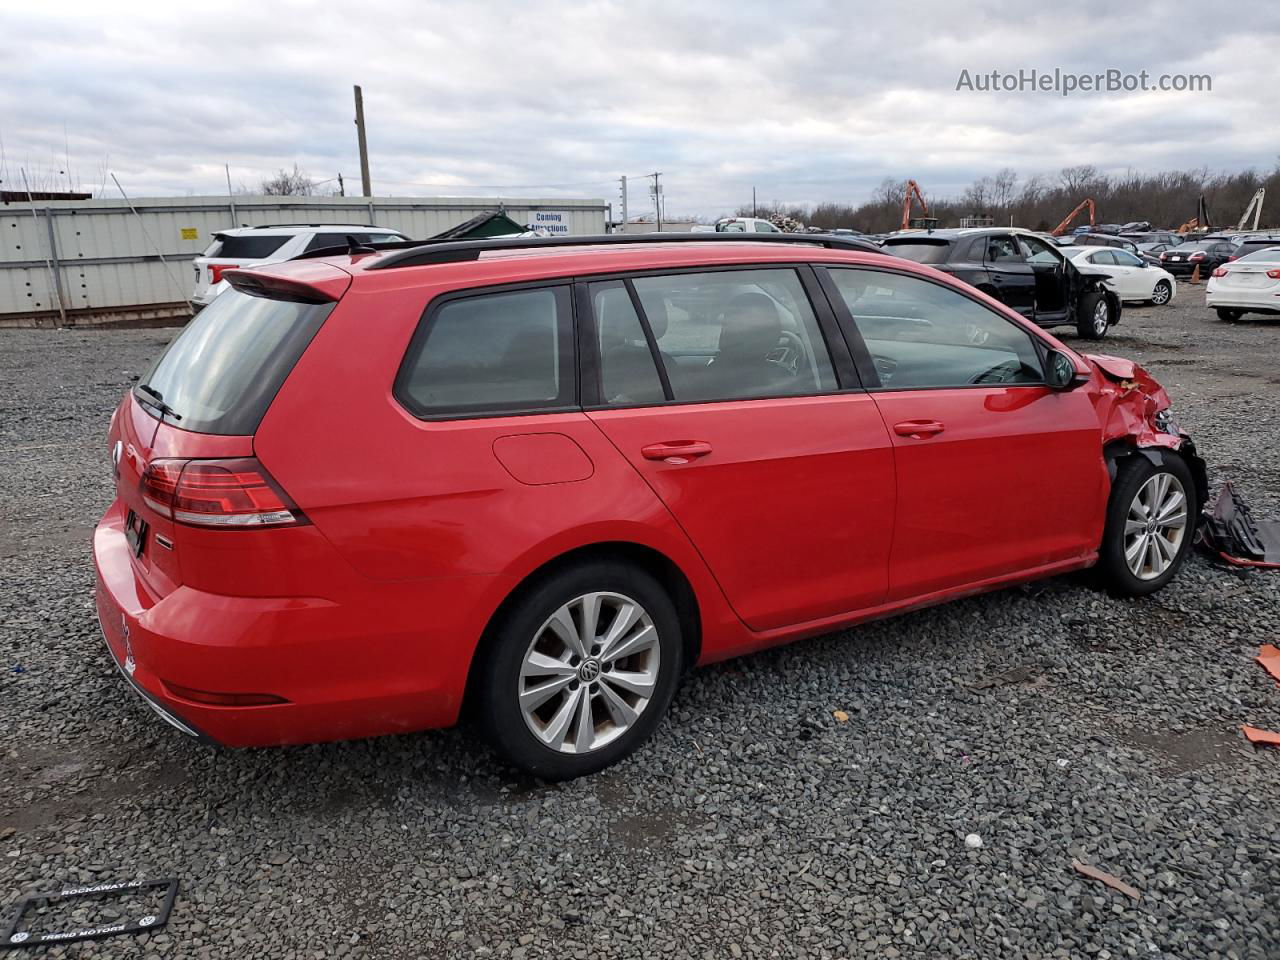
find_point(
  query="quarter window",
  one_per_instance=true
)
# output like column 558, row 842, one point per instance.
column 923, row 334
column 727, row 335
column 509, row 352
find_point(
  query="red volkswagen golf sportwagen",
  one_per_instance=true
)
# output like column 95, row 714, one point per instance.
column 541, row 478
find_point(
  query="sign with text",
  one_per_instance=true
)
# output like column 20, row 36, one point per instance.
column 553, row 222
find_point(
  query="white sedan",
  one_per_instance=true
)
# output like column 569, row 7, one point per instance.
column 1248, row 285
column 1130, row 277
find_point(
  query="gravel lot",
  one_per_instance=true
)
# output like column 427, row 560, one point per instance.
column 756, row 823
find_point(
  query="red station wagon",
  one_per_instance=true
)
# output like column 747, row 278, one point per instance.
column 539, row 478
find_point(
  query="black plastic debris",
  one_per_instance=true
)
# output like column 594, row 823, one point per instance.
column 14, row 937
column 1231, row 532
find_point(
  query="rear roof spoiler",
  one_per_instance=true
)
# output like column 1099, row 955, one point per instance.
column 304, row 283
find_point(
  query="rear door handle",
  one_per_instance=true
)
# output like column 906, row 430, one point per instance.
column 919, row 429
column 676, row 451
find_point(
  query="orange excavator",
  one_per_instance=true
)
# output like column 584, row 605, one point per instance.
column 912, row 189
column 1061, row 228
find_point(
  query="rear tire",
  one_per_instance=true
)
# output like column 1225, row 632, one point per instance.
column 1227, row 315
column 1093, row 315
column 1150, row 522
column 1162, row 293
column 551, row 698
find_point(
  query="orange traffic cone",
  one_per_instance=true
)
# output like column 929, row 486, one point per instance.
column 1195, row 275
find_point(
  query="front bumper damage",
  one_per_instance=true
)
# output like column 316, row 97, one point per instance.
column 1134, row 411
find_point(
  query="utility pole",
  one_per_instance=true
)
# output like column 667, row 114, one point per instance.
column 364, row 145
column 231, row 194
column 342, row 190
column 624, row 204
column 753, row 201
column 657, row 197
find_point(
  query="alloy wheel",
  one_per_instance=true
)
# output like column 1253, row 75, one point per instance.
column 1101, row 316
column 1155, row 526
column 589, row 672
column 1160, row 295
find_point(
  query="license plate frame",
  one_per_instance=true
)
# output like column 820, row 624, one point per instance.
column 12, row 938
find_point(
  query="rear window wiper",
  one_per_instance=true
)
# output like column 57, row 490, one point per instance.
column 157, row 401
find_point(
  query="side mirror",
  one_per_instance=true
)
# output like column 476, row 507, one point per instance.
column 1060, row 371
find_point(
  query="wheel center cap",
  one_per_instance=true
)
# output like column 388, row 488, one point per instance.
column 589, row 671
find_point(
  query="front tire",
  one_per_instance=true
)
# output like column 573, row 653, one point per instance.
column 1093, row 315
column 1162, row 293
column 1150, row 523
column 1228, row 315
column 580, row 670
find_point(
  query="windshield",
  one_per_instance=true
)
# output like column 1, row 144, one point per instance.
column 222, row 371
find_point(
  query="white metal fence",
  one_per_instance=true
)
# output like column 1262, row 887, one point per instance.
column 98, row 261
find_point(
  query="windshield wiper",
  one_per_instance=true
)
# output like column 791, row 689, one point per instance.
column 158, row 401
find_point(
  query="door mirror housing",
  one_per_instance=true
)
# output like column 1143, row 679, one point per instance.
column 1060, row 371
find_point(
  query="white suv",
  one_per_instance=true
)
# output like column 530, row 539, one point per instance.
column 251, row 246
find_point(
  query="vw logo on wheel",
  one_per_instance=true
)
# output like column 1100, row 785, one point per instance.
column 589, row 672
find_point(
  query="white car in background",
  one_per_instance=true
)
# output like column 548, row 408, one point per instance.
column 1129, row 276
column 1248, row 285
column 252, row 246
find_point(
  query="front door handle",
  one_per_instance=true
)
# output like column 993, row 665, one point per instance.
column 918, row 429
column 676, row 451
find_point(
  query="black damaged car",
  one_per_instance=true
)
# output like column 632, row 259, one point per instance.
column 1020, row 269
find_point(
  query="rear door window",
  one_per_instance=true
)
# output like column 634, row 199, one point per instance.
column 222, row 371
column 1003, row 249
column 491, row 354
column 735, row 334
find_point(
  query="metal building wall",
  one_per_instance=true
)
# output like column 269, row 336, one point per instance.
column 114, row 264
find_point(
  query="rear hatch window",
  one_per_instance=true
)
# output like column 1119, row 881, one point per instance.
column 222, row 371
column 249, row 247
column 921, row 251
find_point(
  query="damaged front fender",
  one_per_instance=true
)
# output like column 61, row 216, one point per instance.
column 1134, row 414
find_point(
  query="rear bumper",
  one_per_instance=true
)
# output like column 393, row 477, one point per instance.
column 346, row 670
column 1261, row 302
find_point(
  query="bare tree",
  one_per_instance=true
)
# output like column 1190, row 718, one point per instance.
column 289, row 184
column 1076, row 179
column 1003, row 187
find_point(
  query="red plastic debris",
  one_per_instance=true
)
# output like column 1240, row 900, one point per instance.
column 1269, row 657
column 1261, row 736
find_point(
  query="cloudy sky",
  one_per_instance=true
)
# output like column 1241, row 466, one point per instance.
column 807, row 101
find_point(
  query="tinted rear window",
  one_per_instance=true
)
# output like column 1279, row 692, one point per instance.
column 223, row 370
column 1268, row 254
column 248, row 247
column 921, row 251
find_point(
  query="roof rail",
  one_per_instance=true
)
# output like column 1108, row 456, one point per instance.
column 272, row 226
column 419, row 252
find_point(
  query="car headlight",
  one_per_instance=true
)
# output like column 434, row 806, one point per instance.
column 1164, row 421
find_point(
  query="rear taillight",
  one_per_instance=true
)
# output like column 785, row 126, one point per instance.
column 1274, row 274
column 1229, row 259
column 216, row 270
column 1220, row 272
column 1196, row 256
column 226, row 494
